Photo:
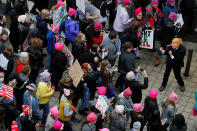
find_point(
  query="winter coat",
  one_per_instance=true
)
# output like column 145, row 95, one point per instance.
column 149, row 109
column 97, row 38
column 136, row 88
column 88, row 127
column 128, row 35
column 26, row 124
column 167, row 9
column 117, row 123
column 23, row 32
column 128, row 104
column 168, row 112
column 126, row 62
column 6, row 63
column 44, row 92
column 152, row 15
column 122, row 19
column 35, row 105
column 51, row 42
column 77, row 49
column 19, row 66
column 3, row 45
column 187, row 5
column 59, row 61
column 50, row 122
column 112, row 50
column 36, row 59
column 174, row 128
column 71, row 29
column 144, row 23
column 139, row 117
column 41, row 25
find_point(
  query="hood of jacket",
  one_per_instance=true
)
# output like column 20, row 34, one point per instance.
column 39, row 18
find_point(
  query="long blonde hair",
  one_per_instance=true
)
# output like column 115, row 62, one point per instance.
column 79, row 36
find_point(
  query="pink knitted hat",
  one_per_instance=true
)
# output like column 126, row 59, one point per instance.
column 59, row 3
column 127, row 92
column 138, row 11
column 154, row 2
column 173, row 96
column 57, row 125
column 54, row 111
column 172, row 16
column 153, row 94
column 126, row 2
column 71, row 12
column 98, row 26
column 137, row 107
column 104, row 129
column 59, row 46
column 101, row 90
column 91, row 117
column 170, row 1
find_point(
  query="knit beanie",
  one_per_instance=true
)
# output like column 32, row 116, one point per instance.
column 154, row 2
column 138, row 11
column 59, row 3
column 173, row 96
column 119, row 109
column 170, row 1
column 127, row 92
column 98, row 26
column 153, row 94
column 45, row 74
column 57, row 125
column 54, row 111
column 71, row 12
column 59, row 46
column 101, row 90
column 91, row 117
column 126, row 2
column 137, row 107
column 172, row 16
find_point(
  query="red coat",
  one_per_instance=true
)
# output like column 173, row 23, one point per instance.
column 19, row 66
column 94, row 40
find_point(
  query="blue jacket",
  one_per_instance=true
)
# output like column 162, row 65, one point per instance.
column 35, row 105
column 41, row 25
column 51, row 42
column 71, row 29
column 166, row 10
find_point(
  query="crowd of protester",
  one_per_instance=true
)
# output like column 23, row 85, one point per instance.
column 102, row 49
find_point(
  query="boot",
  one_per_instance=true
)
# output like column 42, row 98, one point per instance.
column 158, row 61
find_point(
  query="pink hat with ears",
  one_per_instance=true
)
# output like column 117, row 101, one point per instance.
column 127, row 92
column 57, row 125
column 56, row 28
column 59, row 46
column 137, row 107
column 153, row 94
column 170, row 1
column 98, row 26
column 71, row 12
column 54, row 111
column 154, row 2
column 104, row 129
column 126, row 2
column 101, row 90
column 172, row 16
column 66, row 92
column 91, row 117
column 59, row 3
column 173, row 96
column 138, row 11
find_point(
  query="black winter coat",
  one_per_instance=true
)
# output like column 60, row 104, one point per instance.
column 77, row 49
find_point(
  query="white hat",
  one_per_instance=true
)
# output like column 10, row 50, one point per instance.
column 137, row 125
column 22, row 18
column 130, row 75
column 119, row 109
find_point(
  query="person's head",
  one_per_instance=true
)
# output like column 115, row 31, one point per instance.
column 128, row 46
column 59, row 46
column 54, row 112
column 104, row 64
column 155, row 3
column 4, row 36
column 179, row 121
column 171, row 2
column 126, row 3
column 72, row 12
column 130, row 76
column 101, row 90
column 81, row 38
column 95, row 48
column 45, row 75
column 173, row 96
column 119, row 109
column 32, row 88
column 69, row 94
column 24, row 57
column 2, row 18
column 153, row 94
column 98, row 26
column 136, row 27
column 9, row 49
column 44, row 13
column 24, row 19
column 127, row 93
column 137, row 107
column 91, row 118
column 106, row 79
column 59, row 3
column 168, row 102
column 138, row 13
column 113, row 36
column 26, row 70
column 66, row 81
column 58, row 126
column 36, row 44
column 176, row 42
column 172, row 16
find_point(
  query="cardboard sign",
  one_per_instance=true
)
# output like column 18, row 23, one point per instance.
column 81, row 5
column 101, row 105
column 59, row 15
column 147, row 39
column 76, row 73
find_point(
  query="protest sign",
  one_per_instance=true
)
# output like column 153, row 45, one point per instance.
column 147, row 39
column 179, row 20
column 6, row 91
column 81, row 5
column 69, row 55
column 101, row 105
column 76, row 73
column 59, row 15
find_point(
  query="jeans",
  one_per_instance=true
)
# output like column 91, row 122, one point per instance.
column 67, row 126
column 48, row 63
column 45, row 108
column 84, row 100
column 163, row 45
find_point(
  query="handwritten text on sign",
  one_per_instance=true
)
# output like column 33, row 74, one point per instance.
column 146, row 39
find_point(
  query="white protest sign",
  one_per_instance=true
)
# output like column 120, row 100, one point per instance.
column 81, row 5
column 147, row 39
column 179, row 20
column 101, row 105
